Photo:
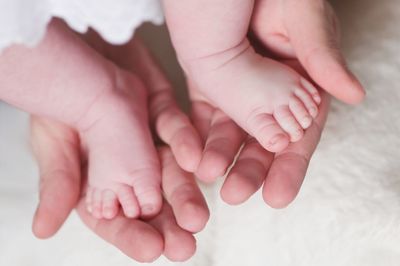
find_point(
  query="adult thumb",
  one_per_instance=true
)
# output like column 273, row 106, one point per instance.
column 313, row 31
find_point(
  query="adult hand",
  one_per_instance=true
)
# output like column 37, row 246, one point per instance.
column 62, row 166
column 280, row 174
column 283, row 35
column 171, row 125
column 308, row 31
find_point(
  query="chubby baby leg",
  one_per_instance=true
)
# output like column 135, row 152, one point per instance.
column 269, row 100
column 124, row 166
column 63, row 79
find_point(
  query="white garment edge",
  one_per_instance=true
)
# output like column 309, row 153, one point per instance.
column 25, row 21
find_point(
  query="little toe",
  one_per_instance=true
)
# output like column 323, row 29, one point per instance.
column 288, row 122
column 300, row 112
column 128, row 201
column 110, row 204
column 308, row 101
column 311, row 90
column 97, row 203
column 89, row 199
column 268, row 133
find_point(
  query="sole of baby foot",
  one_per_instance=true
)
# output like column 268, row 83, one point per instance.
column 276, row 103
column 149, row 198
column 268, row 132
column 124, row 169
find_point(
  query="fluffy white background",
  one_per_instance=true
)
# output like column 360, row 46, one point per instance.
column 348, row 212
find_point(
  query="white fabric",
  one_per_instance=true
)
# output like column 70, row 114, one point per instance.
column 24, row 21
column 347, row 214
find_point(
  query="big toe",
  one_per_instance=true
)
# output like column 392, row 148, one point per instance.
column 148, row 194
column 150, row 203
column 268, row 132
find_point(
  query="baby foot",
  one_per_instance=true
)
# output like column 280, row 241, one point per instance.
column 269, row 100
column 124, row 168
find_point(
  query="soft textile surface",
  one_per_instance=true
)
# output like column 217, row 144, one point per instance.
column 348, row 212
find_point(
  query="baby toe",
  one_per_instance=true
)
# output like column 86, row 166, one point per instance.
column 150, row 200
column 89, row 199
column 128, row 201
column 146, row 183
column 300, row 112
column 308, row 102
column 288, row 123
column 269, row 133
column 110, row 204
column 311, row 90
column 97, row 203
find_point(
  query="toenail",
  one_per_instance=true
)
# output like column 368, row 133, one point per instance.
column 306, row 121
column 130, row 213
column 108, row 213
column 317, row 98
column 313, row 111
column 147, row 209
column 97, row 215
column 276, row 139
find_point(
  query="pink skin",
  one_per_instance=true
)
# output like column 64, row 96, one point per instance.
column 281, row 174
column 64, row 79
column 280, row 185
column 309, row 32
column 267, row 99
column 172, row 126
column 57, row 149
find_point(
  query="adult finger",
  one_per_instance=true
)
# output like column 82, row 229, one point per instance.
column 201, row 114
column 171, row 124
column 56, row 148
column 201, row 111
column 183, row 194
column 223, row 142
column 248, row 173
column 179, row 244
column 135, row 238
column 312, row 31
column 289, row 167
column 221, row 135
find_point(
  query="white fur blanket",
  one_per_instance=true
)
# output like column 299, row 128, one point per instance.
column 348, row 212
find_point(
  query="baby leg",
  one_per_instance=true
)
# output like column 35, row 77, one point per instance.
column 63, row 79
column 267, row 99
